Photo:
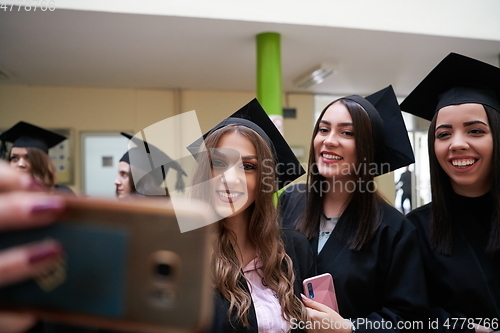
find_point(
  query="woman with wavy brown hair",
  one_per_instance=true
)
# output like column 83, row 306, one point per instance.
column 258, row 268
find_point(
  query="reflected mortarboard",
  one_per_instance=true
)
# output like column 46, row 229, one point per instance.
column 253, row 116
column 26, row 135
column 140, row 159
column 392, row 145
column 457, row 79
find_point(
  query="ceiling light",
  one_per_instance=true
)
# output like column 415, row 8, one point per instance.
column 315, row 76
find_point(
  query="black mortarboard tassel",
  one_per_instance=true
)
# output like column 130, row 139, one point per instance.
column 457, row 79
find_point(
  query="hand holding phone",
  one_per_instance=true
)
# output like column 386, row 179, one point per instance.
column 321, row 289
column 126, row 266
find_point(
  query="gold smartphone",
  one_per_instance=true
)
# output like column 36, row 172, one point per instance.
column 126, row 267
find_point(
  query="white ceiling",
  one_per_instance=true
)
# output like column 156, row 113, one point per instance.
column 98, row 49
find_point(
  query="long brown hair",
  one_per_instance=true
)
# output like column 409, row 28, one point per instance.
column 41, row 167
column 263, row 231
column 441, row 226
column 362, row 216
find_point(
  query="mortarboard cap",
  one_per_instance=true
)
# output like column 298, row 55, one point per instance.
column 457, row 79
column 392, row 145
column 140, row 159
column 253, row 116
column 26, row 135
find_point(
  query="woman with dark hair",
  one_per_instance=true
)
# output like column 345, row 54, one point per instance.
column 258, row 269
column 368, row 247
column 124, row 182
column 460, row 230
column 29, row 153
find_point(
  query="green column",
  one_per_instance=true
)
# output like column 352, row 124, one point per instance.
column 269, row 90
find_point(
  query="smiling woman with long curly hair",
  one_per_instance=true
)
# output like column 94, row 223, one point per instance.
column 258, row 268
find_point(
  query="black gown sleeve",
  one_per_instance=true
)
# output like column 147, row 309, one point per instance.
column 382, row 287
column 221, row 322
column 404, row 300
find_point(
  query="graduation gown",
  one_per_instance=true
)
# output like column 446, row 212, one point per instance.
column 465, row 284
column 297, row 247
column 384, row 281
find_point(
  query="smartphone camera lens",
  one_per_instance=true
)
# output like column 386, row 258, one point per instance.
column 310, row 290
column 163, row 270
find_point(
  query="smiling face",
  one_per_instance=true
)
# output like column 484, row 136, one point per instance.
column 334, row 144
column 234, row 171
column 19, row 159
column 464, row 147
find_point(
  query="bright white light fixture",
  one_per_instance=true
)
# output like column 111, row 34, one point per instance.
column 315, row 76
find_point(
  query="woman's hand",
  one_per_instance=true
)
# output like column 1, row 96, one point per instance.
column 20, row 210
column 327, row 319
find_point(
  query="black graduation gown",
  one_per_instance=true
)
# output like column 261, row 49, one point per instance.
column 297, row 247
column 382, row 282
column 465, row 284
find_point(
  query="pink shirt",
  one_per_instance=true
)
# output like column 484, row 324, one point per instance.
column 266, row 303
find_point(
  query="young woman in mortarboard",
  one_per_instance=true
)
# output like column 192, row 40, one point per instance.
column 29, row 153
column 258, row 269
column 368, row 247
column 460, row 230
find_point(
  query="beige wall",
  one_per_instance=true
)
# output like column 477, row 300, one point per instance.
column 114, row 110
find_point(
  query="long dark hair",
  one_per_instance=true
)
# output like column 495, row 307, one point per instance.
column 41, row 167
column 362, row 216
column 441, row 227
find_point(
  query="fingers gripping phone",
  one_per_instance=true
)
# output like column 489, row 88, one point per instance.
column 321, row 289
column 126, row 267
